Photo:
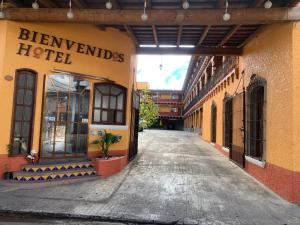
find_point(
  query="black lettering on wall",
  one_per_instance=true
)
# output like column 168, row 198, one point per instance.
column 59, row 57
column 49, row 53
column 56, row 42
column 44, row 39
column 90, row 50
column 121, row 57
column 70, row 44
column 68, row 59
column 100, row 50
column 24, row 48
column 34, row 36
column 107, row 54
column 24, row 34
column 80, row 48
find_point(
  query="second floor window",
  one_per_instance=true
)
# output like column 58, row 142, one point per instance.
column 173, row 109
column 109, row 104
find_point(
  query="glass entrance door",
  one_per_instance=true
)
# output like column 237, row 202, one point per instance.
column 65, row 116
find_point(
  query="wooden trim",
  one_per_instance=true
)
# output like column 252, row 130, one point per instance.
column 34, row 90
column 244, row 16
column 42, row 120
column 192, row 51
column 108, row 109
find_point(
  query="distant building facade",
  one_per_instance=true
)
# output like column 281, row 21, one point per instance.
column 170, row 106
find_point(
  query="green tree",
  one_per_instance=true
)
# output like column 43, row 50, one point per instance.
column 148, row 109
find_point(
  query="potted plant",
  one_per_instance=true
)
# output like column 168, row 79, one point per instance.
column 106, row 165
column 105, row 140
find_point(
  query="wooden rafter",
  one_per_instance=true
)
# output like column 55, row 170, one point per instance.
column 179, row 35
column 155, row 35
column 13, row 3
column 149, row 4
column 191, row 51
column 254, row 34
column 115, row 4
column 292, row 3
column 221, row 3
column 258, row 3
column 80, row 3
column 131, row 34
column 204, row 34
column 229, row 35
column 163, row 17
column 48, row 3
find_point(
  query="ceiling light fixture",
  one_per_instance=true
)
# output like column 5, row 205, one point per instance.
column 70, row 14
column 185, row 4
column 268, row 4
column 144, row 16
column 108, row 5
column 35, row 5
column 226, row 16
column 2, row 14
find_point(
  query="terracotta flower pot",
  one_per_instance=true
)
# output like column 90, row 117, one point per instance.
column 109, row 167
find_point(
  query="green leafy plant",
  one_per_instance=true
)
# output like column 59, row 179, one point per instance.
column 149, row 111
column 105, row 140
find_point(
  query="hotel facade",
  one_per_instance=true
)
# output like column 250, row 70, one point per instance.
column 59, row 87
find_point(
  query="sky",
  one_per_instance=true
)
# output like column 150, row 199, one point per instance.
column 172, row 74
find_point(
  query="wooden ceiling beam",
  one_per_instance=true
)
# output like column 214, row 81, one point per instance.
column 253, row 35
column 155, row 35
column 229, row 35
column 115, row 4
column 131, row 35
column 13, row 3
column 204, row 34
column 48, row 4
column 258, row 3
column 80, row 4
column 179, row 35
column 163, row 17
column 149, row 4
column 292, row 3
column 191, row 51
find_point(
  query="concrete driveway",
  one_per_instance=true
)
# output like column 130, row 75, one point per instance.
column 177, row 178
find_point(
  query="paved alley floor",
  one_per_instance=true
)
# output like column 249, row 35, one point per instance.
column 177, row 178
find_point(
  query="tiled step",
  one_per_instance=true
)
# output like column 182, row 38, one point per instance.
column 53, row 175
column 57, row 167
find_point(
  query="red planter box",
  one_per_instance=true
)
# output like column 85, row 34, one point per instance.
column 109, row 167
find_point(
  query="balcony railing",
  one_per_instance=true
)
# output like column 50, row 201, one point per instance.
column 167, row 100
column 169, row 114
column 222, row 72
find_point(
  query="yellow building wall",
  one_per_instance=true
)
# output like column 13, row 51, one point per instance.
column 164, row 108
column 271, row 58
column 2, row 45
column 165, row 96
column 277, row 60
column 296, row 93
column 231, row 88
column 121, row 73
column 143, row 85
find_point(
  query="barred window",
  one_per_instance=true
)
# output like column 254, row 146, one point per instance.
column 109, row 104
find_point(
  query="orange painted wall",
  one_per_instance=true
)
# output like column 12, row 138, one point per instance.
column 296, row 99
column 143, row 85
column 277, row 60
column 272, row 58
column 112, row 39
